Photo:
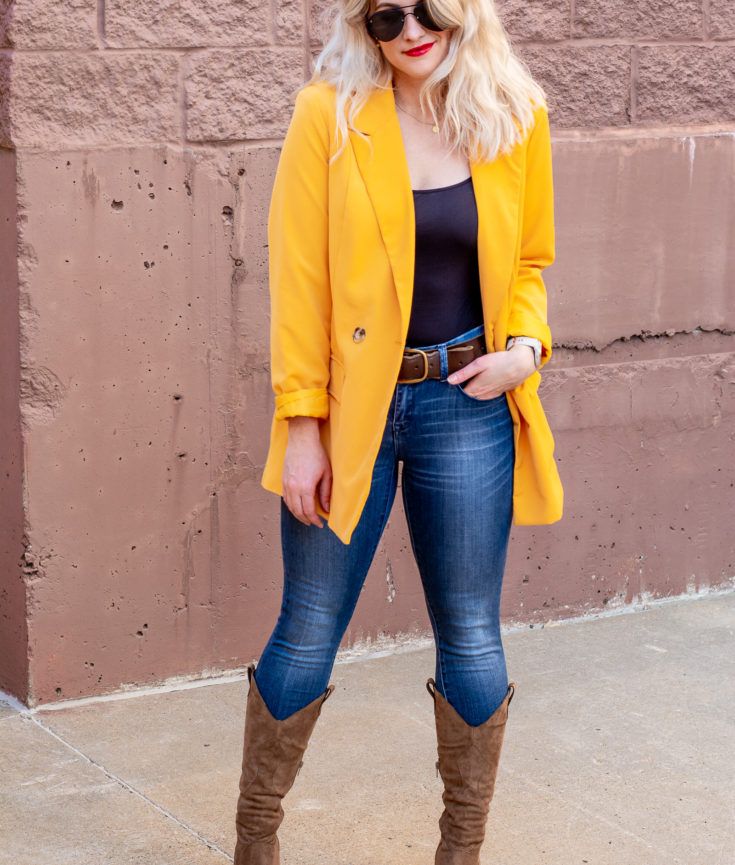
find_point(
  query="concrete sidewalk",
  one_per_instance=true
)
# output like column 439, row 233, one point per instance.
column 620, row 749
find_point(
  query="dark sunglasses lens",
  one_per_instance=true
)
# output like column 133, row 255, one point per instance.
column 386, row 25
column 425, row 19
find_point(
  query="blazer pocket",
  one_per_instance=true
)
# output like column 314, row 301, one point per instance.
column 336, row 379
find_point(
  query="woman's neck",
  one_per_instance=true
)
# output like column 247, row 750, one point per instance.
column 408, row 94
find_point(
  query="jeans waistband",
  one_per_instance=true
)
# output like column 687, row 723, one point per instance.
column 442, row 347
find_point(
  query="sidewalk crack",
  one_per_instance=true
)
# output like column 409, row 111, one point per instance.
column 27, row 716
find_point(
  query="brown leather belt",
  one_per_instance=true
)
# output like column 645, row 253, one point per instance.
column 419, row 365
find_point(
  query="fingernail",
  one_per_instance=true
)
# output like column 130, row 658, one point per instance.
column 452, row 379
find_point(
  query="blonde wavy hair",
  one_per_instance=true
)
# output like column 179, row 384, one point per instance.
column 481, row 96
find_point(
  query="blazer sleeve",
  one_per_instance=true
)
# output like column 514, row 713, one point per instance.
column 299, row 264
column 528, row 304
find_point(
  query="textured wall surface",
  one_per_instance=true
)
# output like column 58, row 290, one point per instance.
column 14, row 575
column 140, row 144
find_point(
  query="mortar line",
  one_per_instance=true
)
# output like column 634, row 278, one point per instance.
column 151, row 50
column 634, row 61
column 706, row 18
column 566, row 42
column 624, row 42
column 273, row 13
column 306, row 15
column 181, row 97
column 118, row 780
column 563, row 134
column 587, row 134
column 101, row 23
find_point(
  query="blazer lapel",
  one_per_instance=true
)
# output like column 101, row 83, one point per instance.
column 497, row 188
column 381, row 160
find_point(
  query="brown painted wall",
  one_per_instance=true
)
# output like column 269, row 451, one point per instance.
column 14, row 573
column 141, row 142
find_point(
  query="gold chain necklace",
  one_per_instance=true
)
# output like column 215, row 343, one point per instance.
column 434, row 127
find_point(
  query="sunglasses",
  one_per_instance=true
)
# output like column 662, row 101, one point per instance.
column 387, row 24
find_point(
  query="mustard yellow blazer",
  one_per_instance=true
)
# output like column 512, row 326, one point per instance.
column 341, row 235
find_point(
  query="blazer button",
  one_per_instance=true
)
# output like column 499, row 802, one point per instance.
column 359, row 334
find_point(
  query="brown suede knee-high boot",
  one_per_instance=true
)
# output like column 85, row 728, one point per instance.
column 271, row 758
column 468, row 764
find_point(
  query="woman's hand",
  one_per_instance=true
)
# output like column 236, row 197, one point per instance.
column 493, row 374
column 306, row 471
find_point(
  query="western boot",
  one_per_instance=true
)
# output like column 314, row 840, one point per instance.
column 271, row 758
column 468, row 764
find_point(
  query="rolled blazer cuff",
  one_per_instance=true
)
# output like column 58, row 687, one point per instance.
column 303, row 403
column 524, row 325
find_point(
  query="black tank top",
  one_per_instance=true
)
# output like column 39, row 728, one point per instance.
column 446, row 286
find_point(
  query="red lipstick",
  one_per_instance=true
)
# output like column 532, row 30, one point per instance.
column 420, row 49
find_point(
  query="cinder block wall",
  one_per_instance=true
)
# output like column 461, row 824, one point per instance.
column 139, row 143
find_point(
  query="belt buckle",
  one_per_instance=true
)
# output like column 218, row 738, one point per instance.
column 423, row 354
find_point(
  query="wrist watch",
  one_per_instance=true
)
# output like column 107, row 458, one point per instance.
column 527, row 340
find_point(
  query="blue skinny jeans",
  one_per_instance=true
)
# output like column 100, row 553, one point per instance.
column 457, row 486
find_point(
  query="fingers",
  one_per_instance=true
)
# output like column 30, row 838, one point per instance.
column 303, row 508
column 300, row 494
column 472, row 369
column 302, row 505
column 479, row 392
column 476, row 373
column 325, row 490
column 306, row 473
column 493, row 374
column 308, row 509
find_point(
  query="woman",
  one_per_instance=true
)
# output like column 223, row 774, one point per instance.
column 410, row 221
